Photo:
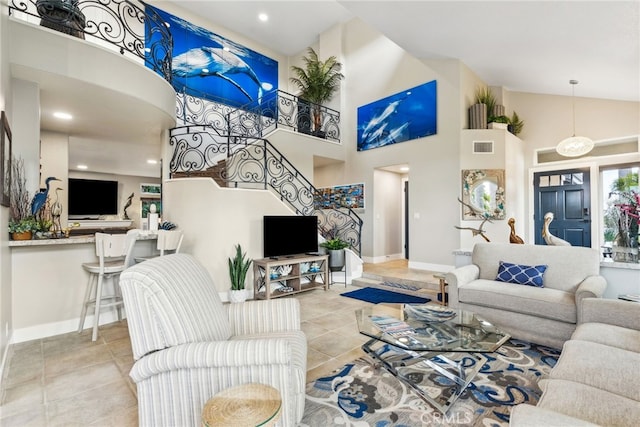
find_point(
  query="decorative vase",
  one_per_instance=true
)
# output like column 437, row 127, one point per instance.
column 478, row 116
column 336, row 259
column 237, row 295
column 25, row 235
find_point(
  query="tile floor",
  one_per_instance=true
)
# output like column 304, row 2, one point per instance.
column 67, row 380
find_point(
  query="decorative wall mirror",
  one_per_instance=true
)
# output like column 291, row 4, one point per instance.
column 483, row 194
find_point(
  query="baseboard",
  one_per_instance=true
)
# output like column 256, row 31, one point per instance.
column 58, row 328
column 431, row 267
column 383, row 258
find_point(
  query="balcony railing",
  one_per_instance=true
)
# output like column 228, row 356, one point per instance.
column 128, row 26
column 276, row 109
column 252, row 162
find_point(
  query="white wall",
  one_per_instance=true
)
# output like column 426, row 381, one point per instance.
column 507, row 155
column 5, row 254
column 215, row 219
column 377, row 68
column 387, row 196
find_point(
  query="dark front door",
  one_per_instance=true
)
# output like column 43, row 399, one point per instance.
column 406, row 219
column 565, row 194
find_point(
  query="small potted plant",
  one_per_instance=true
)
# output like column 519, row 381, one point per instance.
column 23, row 228
column 335, row 247
column 498, row 122
column 479, row 112
column 22, row 224
column 238, row 268
column 515, row 124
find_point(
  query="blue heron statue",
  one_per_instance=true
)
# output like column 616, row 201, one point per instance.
column 40, row 199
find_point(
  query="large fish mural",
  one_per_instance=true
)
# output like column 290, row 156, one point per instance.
column 210, row 61
column 205, row 64
column 404, row 116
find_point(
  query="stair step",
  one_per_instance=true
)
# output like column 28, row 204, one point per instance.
column 426, row 290
column 429, row 282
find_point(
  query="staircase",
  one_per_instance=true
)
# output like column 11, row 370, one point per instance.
column 235, row 154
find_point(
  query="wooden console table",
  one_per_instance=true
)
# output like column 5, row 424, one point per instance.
column 307, row 272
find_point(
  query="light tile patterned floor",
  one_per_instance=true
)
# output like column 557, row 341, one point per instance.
column 67, row 380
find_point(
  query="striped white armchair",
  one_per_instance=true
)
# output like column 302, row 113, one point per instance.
column 188, row 346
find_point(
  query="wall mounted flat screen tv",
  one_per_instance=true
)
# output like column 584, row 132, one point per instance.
column 289, row 235
column 90, row 198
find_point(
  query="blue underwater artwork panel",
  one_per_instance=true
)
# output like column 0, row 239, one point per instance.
column 207, row 65
column 407, row 115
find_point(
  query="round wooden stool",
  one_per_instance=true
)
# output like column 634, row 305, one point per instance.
column 243, row 405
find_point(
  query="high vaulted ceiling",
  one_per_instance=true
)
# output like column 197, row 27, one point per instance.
column 528, row 46
column 525, row 46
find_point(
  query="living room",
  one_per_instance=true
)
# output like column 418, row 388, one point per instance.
column 435, row 162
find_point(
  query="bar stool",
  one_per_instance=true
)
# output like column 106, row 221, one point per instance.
column 114, row 256
column 169, row 241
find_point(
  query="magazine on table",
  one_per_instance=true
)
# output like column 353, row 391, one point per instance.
column 392, row 326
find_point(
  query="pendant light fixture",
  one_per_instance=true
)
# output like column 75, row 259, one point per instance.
column 574, row 146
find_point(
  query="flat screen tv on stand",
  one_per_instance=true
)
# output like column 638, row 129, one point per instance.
column 289, row 235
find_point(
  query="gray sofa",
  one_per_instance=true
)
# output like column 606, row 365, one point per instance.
column 546, row 315
column 596, row 380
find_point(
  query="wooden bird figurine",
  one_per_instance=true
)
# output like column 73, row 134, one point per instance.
column 126, row 205
column 476, row 231
column 56, row 212
column 513, row 237
column 547, row 236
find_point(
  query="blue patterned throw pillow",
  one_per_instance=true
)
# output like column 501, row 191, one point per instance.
column 521, row 274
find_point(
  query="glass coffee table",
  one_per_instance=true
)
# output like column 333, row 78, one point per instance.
column 429, row 347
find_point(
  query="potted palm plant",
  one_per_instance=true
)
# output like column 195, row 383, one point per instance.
column 238, row 268
column 317, row 81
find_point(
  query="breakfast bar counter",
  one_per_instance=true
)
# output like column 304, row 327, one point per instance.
column 49, row 283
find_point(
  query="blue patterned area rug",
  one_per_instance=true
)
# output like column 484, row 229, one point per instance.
column 360, row 395
column 375, row 295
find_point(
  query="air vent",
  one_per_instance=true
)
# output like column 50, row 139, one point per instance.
column 482, row 147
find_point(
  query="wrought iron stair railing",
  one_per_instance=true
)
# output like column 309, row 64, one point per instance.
column 253, row 162
column 275, row 110
column 129, row 26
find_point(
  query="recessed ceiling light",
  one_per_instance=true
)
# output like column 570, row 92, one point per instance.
column 152, row 162
column 63, row 116
column 82, row 167
column 263, row 17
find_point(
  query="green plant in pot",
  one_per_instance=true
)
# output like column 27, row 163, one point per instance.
column 22, row 229
column 238, row 268
column 515, row 124
column 317, row 81
column 502, row 122
column 21, row 223
column 335, row 247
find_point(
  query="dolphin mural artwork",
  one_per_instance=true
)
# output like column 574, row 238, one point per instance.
column 210, row 61
column 375, row 126
column 404, row 116
column 209, row 66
